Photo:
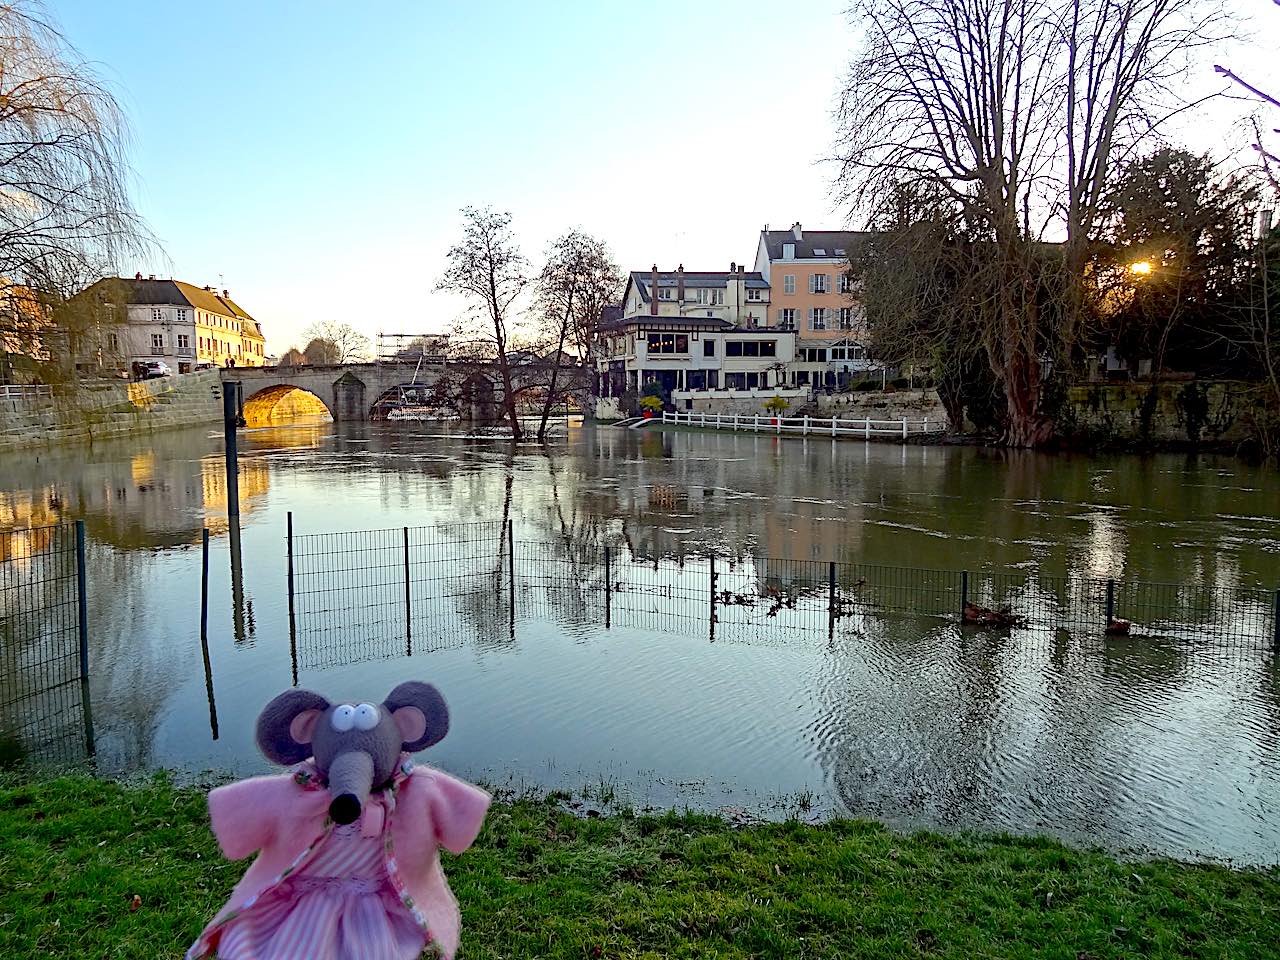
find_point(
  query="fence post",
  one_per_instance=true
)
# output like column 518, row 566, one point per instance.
column 866, row 428
column 82, row 601
column 924, row 425
column 831, row 599
column 82, row 629
column 735, row 422
column 805, row 430
column 293, row 626
column 833, row 426
column 755, row 422
column 1111, row 602
column 964, row 592
column 511, row 567
column 608, row 590
column 713, row 596
column 904, row 428
column 408, row 600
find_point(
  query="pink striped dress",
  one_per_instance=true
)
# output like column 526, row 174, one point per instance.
column 339, row 905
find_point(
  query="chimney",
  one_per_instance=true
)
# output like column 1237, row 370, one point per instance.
column 796, row 231
column 680, row 283
column 733, row 266
column 152, row 277
column 742, row 269
column 653, row 292
column 225, row 294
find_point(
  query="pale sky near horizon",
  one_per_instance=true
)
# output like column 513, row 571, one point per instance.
column 312, row 160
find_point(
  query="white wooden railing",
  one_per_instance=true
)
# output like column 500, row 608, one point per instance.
column 865, row 428
column 24, row 391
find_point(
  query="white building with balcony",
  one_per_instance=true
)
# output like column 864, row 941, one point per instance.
column 695, row 334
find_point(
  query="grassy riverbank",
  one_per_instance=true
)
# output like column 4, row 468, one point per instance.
column 75, row 852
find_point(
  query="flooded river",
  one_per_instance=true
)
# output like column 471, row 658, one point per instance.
column 1145, row 743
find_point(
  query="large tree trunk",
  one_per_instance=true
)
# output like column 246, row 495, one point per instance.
column 555, row 370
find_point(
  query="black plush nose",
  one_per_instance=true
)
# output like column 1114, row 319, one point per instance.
column 345, row 809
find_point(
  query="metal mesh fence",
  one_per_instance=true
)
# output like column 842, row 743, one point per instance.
column 43, row 708
column 383, row 593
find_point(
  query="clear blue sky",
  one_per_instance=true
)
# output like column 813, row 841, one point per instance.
column 314, row 155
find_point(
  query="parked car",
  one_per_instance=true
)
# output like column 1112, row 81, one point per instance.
column 152, row 369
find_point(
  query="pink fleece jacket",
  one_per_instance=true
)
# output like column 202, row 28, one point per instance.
column 283, row 815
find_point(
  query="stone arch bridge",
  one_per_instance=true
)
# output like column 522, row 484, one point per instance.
column 365, row 391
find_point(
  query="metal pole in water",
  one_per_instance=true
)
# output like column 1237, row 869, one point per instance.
column 608, row 591
column 82, row 630
column 964, row 592
column 1111, row 602
column 230, row 421
column 204, row 631
column 408, row 600
column 1277, row 612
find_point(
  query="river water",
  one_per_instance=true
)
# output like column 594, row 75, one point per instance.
column 1132, row 743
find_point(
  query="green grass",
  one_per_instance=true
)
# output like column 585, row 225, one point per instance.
column 75, row 851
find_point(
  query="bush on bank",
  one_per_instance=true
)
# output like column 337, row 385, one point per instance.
column 75, row 852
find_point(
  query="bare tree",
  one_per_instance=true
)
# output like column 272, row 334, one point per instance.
column 342, row 342
column 66, row 219
column 577, row 281
column 487, row 269
column 1017, row 110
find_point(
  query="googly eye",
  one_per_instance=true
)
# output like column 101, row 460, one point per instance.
column 366, row 716
column 344, row 718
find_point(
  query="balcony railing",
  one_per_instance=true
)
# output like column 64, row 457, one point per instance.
column 185, row 352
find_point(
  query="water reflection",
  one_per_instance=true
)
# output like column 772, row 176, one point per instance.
column 1137, row 741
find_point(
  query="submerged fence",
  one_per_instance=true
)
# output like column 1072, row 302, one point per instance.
column 44, row 622
column 861, row 428
column 372, row 594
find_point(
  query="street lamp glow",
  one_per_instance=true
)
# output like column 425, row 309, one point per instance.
column 1142, row 267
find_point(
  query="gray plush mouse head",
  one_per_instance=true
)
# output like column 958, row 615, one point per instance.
column 355, row 745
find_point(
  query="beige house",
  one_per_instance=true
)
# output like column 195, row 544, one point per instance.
column 811, row 292
column 186, row 326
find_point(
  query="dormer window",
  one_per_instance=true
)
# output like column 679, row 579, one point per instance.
column 819, row 251
column 666, row 293
column 788, row 251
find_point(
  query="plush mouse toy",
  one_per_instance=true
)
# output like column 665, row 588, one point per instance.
column 349, row 861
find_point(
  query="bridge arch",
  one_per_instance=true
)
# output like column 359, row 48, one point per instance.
column 281, row 403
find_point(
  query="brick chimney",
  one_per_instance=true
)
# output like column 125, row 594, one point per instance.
column 653, row 292
column 680, row 283
column 796, row 231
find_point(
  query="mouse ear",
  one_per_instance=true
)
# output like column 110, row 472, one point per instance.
column 420, row 712
column 286, row 724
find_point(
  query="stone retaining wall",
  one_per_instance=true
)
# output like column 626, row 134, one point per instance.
column 97, row 410
column 1146, row 413
column 883, row 405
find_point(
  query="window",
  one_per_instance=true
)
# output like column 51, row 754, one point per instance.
column 846, row 318
column 837, row 353
column 789, row 283
column 818, row 283
column 819, row 252
column 708, row 348
column 818, row 318
column 755, row 296
column 815, row 354
column 157, row 341
column 788, row 251
column 113, row 343
column 184, row 342
column 839, row 251
column 846, row 283
column 157, row 314
column 753, row 381
column 717, row 298
column 666, row 293
column 668, row 343
column 182, row 316
column 751, row 348
column 787, row 318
